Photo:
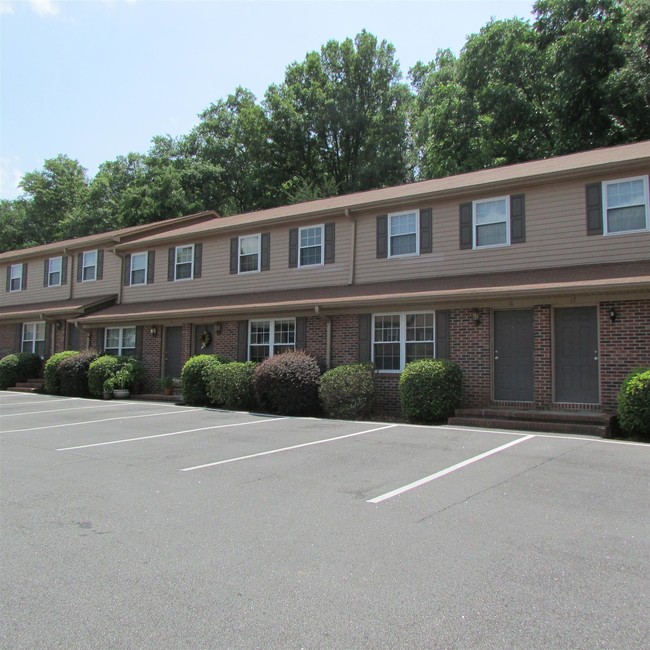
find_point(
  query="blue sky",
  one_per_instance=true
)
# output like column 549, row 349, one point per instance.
column 95, row 79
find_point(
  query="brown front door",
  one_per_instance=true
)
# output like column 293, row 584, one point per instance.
column 513, row 356
column 173, row 356
column 576, row 355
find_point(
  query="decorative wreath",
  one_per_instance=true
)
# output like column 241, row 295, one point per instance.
column 205, row 339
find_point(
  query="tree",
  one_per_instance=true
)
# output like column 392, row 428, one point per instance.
column 13, row 225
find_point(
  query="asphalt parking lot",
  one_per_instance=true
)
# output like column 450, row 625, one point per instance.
column 141, row 525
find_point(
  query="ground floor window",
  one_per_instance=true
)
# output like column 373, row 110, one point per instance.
column 120, row 341
column 400, row 338
column 33, row 338
column 270, row 337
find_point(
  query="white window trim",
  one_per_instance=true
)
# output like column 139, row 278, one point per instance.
column 271, row 322
column 49, row 272
column 85, row 266
column 18, row 277
column 258, row 237
column 646, row 203
column 402, row 335
column 120, row 348
column 34, row 327
column 176, row 263
column 321, row 227
column 131, row 270
column 475, row 245
column 417, row 233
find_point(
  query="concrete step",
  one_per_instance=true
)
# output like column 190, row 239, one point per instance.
column 27, row 386
column 159, row 397
column 511, row 424
column 569, row 417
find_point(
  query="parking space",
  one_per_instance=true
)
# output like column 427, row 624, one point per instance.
column 133, row 524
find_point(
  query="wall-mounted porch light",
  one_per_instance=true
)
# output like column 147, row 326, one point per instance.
column 153, row 331
column 612, row 314
column 476, row 316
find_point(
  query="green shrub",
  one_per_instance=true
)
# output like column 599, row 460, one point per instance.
column 73, row 373
column 192, row 380
column 348, row 392
column 430, row 389
column 19, row 367
column 52, row 382
column 230, row 385
column 100, row 370
column 634, row 404
column 288, row 384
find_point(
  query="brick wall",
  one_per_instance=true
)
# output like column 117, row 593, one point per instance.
column 9, row 340
column 152, row 358
column 345, row 340
column 542, row 361
column 225, row 343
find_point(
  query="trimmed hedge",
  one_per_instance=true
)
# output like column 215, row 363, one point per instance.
column 348, row 392
column 634, row 404
column 430, row 390
column 193, row 383
column 19, row 367
column 52, row 382
column 230, row 385
column 288, row 384
column 73, row 373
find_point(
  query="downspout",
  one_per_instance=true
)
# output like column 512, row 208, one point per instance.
column 353, row 244
column 328, row 336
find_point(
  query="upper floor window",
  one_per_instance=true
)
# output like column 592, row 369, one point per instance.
column 16, row 277
column 398, row 339
column 33, row 339
column 249, row 254
column 311, row 245
column 491, row 222
column 403, row 234
column 89, row 266
column 626, row 205
column 184, row 262
column 54, row 272
column 120, row 341
column 267, row 338
column 138, row 268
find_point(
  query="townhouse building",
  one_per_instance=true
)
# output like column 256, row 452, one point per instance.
column 534, row 278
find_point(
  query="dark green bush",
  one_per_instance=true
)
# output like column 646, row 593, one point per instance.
column 51, row 372
column 348, row 392
column 430, row 389
column 230, row 385
column 192, row 381
column 19, row 367
column 102, row 369
column 73, row 373
column 288, row 384
column 634, row 405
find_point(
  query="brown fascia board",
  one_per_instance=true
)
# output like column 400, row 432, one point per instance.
column 112, row 237
column 609, row 160
column 62, row 308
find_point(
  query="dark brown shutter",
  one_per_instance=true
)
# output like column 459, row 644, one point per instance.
column 24, row 280
column 594, row 202
column 8, row 287
column 138, row 341
column 382, row 236
column 127, row 270
column 64, row 270
column 46, row 272
column 80, row 269
column 466, row 236
column 301, row 333
column 198, row 259
column 242, row 340
column 426, row 231
column 293, row 248
column 442, row 334
column 99, row 334
column 517, row 219
column 234, row 255
column 330, row 243
column 365, row 339
column 171, row 264
column 151, row 266
column 19, row 337
column 265, row 261
column 100, row 264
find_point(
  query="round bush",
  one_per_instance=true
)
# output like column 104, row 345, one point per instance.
column 192, row 380
column 430, row 389
column 19, row 367
column 73, row 373
column 634, row 404
column 348, row 392
column 230, row 385
column 288, row 384
column 51, row 372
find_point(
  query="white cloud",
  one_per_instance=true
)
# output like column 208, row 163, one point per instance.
column 6, row 7
column 44, row 7
column 10, row 176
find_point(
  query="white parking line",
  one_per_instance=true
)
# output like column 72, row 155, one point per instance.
column 449, row 470
column 44, row 401
column 72, row 408
column 277, row 451
column 172, row 433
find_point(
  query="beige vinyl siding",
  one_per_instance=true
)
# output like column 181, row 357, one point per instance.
column 555, row 236
column 215, row 269
column 35, row 291
column 110, row 282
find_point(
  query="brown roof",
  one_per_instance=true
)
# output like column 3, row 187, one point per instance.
column 55, row 309
column 467, row 289
column 112, row 237
column 610, row 160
